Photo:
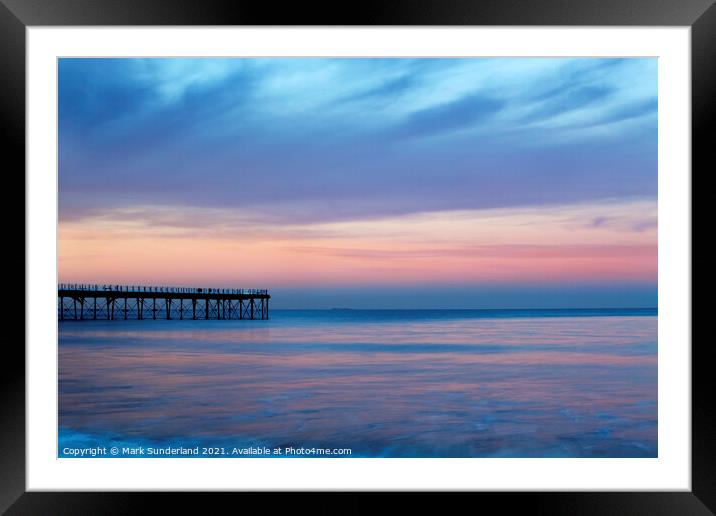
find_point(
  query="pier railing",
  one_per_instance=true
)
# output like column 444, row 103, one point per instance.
column 80, row 301
column 169, row 290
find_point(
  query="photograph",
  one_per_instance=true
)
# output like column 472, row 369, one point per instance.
column 357, row 257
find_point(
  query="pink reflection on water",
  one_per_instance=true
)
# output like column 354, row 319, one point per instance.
column 571, row 331
column 561, row 386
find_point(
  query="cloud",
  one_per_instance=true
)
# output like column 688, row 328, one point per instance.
column 564, row 101
column 630, row 111
column 320, row 140
column 540, row 244
column 387, row 90
column 507, row 252
column 465, row 112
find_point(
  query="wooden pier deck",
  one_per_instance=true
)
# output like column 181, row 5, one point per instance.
column 110, row 302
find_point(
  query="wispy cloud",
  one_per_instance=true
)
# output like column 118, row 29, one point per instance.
column 366, row 137
column 466, row 112
column 510, row 245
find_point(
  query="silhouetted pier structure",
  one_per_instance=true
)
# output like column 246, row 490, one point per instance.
column 109, row 302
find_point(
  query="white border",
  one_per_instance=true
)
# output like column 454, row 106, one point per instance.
column 671, row 470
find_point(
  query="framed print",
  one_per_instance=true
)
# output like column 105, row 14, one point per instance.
column 438, row 249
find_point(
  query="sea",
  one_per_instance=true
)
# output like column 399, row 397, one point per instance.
column 362, row 383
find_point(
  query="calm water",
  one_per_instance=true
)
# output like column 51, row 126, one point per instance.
column 563, row 383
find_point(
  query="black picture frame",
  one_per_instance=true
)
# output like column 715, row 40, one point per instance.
column 17, row 15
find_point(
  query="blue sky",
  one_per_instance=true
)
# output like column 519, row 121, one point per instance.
column 197, row 146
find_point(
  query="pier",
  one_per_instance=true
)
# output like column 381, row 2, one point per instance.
column 109, row 302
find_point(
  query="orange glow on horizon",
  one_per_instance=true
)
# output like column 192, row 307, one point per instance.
column 510, row 246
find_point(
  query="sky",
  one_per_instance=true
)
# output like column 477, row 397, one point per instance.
column 364, row 183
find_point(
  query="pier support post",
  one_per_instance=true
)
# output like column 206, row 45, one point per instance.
column 193, row 309
column 125, row 308
column 181, row 309
column 252, row 308
column 94, row 309
column 206, row 308
column 62, row 309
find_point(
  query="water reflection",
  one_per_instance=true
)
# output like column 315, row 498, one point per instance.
column 462, row 387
